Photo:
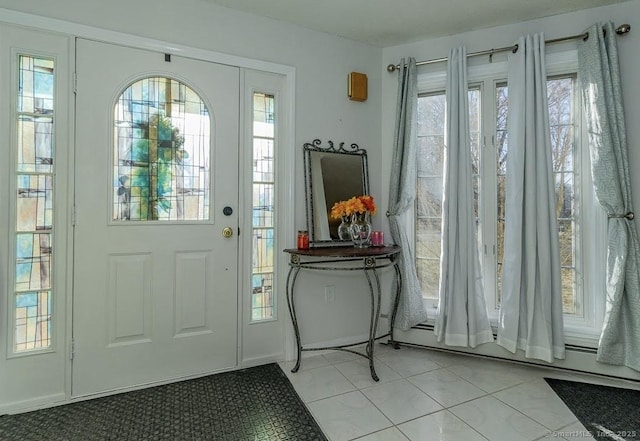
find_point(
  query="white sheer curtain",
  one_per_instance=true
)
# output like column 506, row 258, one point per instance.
column 531, row 305
column 462, row 318
column 599, row 74
column 402, row 193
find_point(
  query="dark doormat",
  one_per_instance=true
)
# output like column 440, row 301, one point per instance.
column 609, row 413
column 253, row 404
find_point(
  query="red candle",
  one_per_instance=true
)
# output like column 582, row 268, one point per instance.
column 303, row 240
column 377, row 238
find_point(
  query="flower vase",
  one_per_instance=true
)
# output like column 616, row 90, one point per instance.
column 360, row 230
column 343, row 229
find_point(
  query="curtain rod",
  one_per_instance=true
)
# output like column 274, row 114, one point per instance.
column 620, row 30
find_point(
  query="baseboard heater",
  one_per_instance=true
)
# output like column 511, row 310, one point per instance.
column 574, row 348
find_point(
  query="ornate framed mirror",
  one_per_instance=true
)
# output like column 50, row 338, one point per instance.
column 332, row 174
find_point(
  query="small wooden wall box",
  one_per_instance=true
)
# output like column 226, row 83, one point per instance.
column 357, row 88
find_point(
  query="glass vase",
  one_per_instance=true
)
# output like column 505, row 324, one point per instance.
column 360, row 230
column 343, row 229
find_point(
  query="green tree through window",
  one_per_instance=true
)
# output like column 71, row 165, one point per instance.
column 161, row 164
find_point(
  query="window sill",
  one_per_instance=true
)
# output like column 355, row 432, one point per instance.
column 576, row 333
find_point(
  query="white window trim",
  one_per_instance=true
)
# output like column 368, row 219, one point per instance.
column 581, row 331
column 246, row 239
column 57, row 286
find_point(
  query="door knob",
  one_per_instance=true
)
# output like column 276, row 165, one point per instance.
column 227, row 232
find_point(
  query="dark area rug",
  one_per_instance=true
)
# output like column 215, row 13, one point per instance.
column 609, row 413
column 253, row 404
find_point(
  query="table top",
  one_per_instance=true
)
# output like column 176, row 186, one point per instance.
column 348, row 251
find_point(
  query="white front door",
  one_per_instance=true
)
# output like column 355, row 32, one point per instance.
column 156, row 176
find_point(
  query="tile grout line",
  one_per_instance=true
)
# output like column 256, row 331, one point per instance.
column 406, row 378
column 443, row 407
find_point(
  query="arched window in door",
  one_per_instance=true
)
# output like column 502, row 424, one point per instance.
column 161, row 153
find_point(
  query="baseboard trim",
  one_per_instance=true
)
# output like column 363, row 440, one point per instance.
column 37, row 403
column 265, row 359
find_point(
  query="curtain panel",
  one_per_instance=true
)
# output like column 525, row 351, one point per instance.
column 462, row 318
column 530, row 316
column 599, row 74
column 402, row 193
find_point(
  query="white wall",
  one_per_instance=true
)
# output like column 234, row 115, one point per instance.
column 553, row 27
column 322, row 109
column 322, row 61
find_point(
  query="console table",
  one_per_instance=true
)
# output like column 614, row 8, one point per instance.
column 368, row 260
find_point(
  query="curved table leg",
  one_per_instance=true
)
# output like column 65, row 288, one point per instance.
column 292, row 312
column 396, row 302
column 373, row 325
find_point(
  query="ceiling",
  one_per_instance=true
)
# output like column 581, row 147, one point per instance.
column 385, row 23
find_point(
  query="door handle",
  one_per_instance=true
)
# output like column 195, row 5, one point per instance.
column 227, row 232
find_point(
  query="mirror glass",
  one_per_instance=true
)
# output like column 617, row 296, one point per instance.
column 332, row 174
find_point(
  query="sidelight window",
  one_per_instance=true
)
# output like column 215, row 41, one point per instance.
column 263, row 222
column 34, row 216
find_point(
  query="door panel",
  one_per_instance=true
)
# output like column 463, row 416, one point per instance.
column 156, row 299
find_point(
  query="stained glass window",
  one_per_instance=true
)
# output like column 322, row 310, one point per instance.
column 34, row 230
column 262, row 301
column 161, row 153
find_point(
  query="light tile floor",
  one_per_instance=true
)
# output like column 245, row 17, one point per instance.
column 432, row 395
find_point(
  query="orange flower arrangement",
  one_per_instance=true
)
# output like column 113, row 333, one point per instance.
column 357, row 204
